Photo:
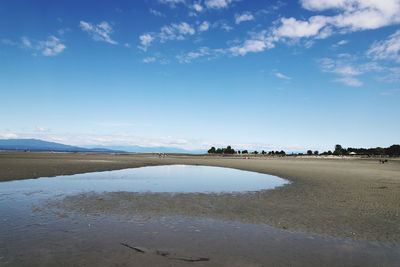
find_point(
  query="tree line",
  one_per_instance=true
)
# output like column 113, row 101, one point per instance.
column 230, row 150
column 392, row 151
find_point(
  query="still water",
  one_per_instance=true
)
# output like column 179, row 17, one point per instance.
column 124, row 218
column 171, row 179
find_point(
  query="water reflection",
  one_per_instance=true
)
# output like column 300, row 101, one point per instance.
column 172, row 178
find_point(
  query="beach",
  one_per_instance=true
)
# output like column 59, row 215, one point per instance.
column 346, row 198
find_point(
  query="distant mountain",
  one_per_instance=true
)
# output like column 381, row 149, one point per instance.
column 160, row 149
column 40, row 145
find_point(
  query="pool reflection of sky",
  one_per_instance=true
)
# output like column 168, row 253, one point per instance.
column 172, row 178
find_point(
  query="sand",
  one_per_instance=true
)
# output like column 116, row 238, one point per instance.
column 350, row 198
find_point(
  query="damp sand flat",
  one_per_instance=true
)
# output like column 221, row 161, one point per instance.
column 345, row 198
column 62, row 221
column 354, row 200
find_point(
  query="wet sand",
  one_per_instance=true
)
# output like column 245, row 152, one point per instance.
column 334, row 212
column 351, row 198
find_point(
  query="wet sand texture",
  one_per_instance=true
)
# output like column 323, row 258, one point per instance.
column 359, row 198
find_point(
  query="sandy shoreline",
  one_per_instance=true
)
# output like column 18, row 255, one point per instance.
column 356, row 199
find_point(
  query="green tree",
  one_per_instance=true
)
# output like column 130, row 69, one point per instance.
column 211, row 150
column 316, row 152
column 309, row 152
column 338, row 150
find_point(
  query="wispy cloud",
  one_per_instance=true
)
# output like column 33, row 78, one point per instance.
column 282, row 76
column 26, row 42
column 156, row 13
column 340, row 43
column 217, row 4
column 387, row 49
column 247, row 16
column 145, row 41
column 198, row 7
column 350, row 81
column 172, row 3
column 174, row 31
column 342, row 67
column 189, row 57
column 204, row 26
column 99, row 32
column 52, row 46
column 149, row 60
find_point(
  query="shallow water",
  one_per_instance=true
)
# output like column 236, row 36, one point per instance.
column 170, row 178
column 35, row 233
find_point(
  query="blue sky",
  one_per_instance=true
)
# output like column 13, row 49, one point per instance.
column 289, row 75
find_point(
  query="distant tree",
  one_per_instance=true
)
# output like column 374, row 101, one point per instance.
column 263, row 152
column 393, row 151
column 309, row 152
column 238, row 151
column 338, row 150
column 245, row 152
column 229, row 150
column 329, row 152
column 211, row 150
column 316, row 152
column 219, row 151
column 255, row 152
column 282, row 152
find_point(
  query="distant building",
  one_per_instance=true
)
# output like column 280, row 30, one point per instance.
column 352, row 153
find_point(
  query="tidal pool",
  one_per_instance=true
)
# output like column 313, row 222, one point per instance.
column 169, row 178
column 162, row 216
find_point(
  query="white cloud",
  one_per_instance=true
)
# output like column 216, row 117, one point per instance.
column 244, row 17
column 26, row 42
column 292, row 28
column 248, row 46
column 387, row 49
column 156, row 13
column 392, row 76
column 197, row 7
column 145, row 40
column 149, row 60
column 282, row 76
column 167, row 32
column 201, row 52
column 217, row 4
column 8, row 135
column 226, row 27
column 346, row 68
column 176, row 31
column 204, row 26
column 340, row 43
column 348, row 16
column 350, row 81
column 258, row 43
column 51, row 47
column 99, row 32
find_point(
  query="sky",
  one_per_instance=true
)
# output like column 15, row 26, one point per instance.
column 272, row 75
